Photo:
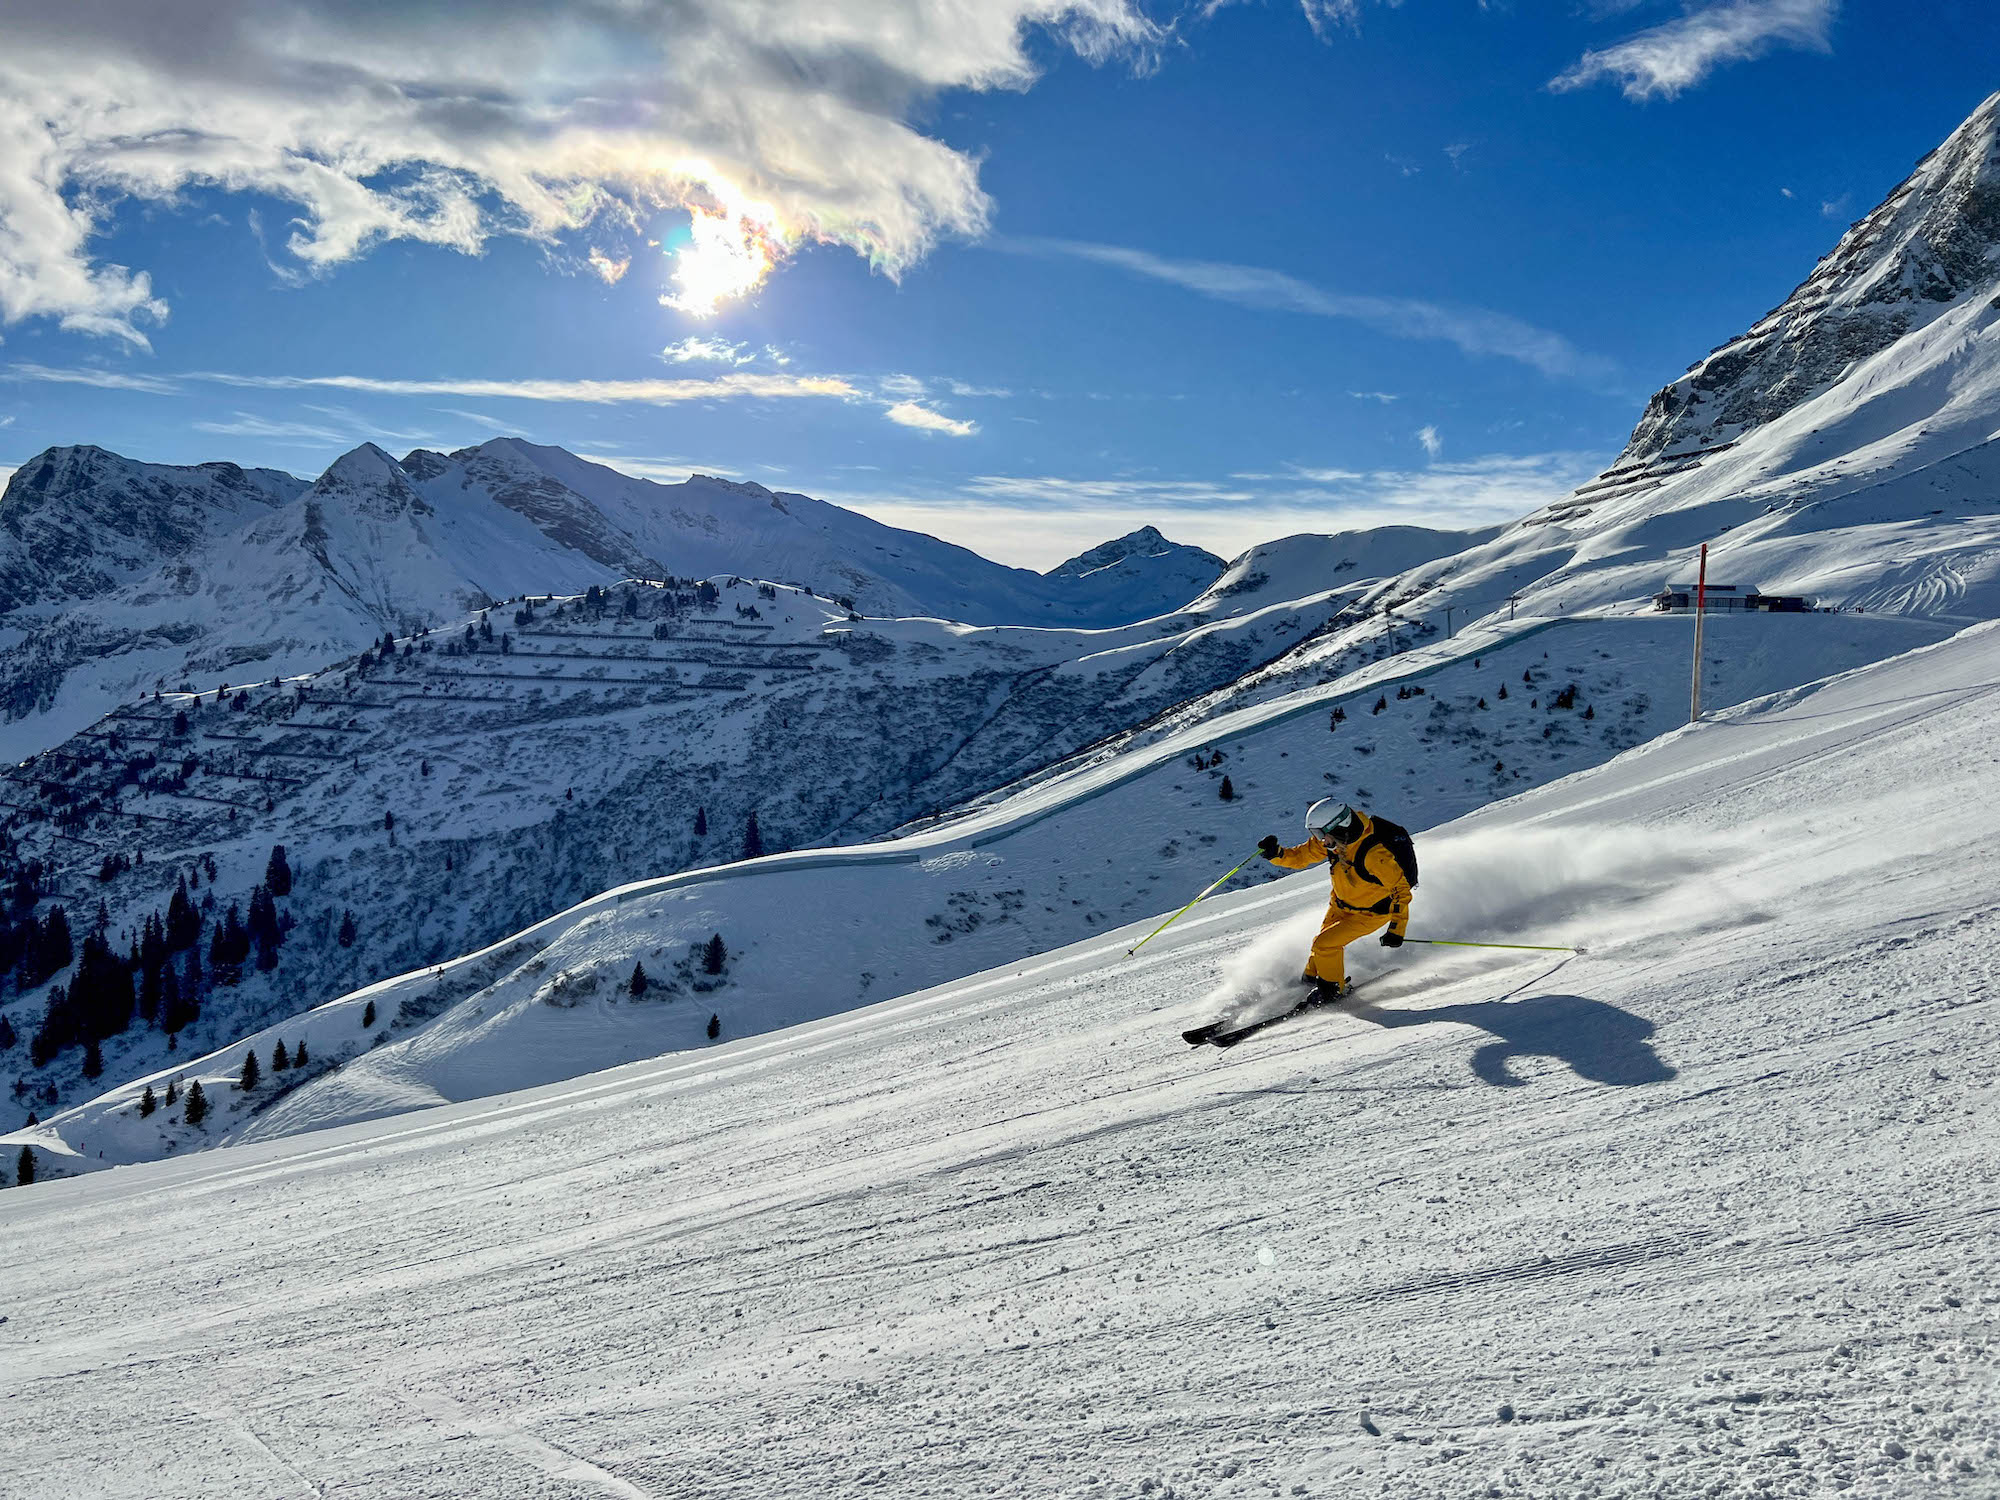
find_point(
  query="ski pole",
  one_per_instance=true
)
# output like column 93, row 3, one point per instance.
column 1455, row 943
column 1206, row 893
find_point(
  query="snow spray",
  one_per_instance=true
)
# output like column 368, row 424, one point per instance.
column 1525, row 884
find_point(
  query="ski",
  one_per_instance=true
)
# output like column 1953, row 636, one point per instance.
column 1223, row 1034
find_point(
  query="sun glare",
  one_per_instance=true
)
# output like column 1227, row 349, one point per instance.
column 727, row 255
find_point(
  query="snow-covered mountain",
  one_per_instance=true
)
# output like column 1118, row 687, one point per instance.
column 473, row 780
column 78, row 523
column 1927, row 247
column 118, row 577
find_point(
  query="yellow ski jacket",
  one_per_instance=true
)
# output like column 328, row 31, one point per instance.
column 1377, row 884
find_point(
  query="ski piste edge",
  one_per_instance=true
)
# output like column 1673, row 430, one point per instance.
column 1221, row 1034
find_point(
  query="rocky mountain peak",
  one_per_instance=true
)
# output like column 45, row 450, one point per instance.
column 1146, row 542
column 1930, row 244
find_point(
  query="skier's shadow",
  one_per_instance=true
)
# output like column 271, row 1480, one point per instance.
column 1595, row 1040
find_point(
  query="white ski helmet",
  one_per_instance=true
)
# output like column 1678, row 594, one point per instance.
column 1333, row 822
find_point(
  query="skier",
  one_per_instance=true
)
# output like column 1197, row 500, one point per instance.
column 1374, row 866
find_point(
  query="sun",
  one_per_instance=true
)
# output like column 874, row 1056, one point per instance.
column 729, row 251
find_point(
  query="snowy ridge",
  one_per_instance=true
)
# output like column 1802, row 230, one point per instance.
column 118, row 577
column 1932, row 242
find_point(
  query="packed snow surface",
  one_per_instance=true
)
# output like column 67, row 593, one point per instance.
column 1708, row 1208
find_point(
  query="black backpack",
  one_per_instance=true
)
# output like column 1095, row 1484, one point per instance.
column 1396, row 839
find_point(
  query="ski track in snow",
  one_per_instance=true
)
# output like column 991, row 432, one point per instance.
column 1709, row 1209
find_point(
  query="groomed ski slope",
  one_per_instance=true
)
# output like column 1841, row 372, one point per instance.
column 1708, row 1210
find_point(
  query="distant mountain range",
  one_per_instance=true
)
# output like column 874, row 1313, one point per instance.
column 118, row 576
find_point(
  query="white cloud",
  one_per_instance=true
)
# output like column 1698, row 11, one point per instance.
column 480, row 419
column 1384, row 397
column 107, row 380
column 1474, row 330
column 695, row 349
column 1834, row 208
column 609, row 269
column 1670, row 58
column 666, row 470
column 909, row 414
column 583, row 392
column 1039, row 520
column 1787, row 192
column 245, row 424
column 449, row 123
column 1428, row 436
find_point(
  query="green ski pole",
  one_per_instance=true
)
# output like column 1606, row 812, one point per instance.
column 1455, row 943
column 1211, row 890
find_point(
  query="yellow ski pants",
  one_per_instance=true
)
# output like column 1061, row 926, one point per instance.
column 1328, row 960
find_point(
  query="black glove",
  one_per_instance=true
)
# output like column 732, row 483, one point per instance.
column 1392, row 940
column 1269, row 847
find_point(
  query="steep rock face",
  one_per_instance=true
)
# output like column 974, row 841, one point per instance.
column 77, row 523
column 1930, row 244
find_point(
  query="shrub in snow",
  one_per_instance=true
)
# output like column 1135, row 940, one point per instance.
column 197, row 1104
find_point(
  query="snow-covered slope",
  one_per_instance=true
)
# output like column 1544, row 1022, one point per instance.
column 116, row 577
column 1707, row 1209
column 1113, row 834
column 551, row 753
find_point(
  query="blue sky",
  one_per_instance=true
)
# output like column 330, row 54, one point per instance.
column 1236, row 270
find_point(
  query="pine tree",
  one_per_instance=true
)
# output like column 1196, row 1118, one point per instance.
column 347, row 932
column 147, row 1103
column 1380, row 704
column 173, row 1091
column 24, row 1167
column 197, row 1104
column 701, row 822
column 190, row 990
column 714, row 955
column 368, row 1015
column 57, row 952
column 6, row 1034
column 636, row 985
column 280, row 1058
column 1503, row 690
column 714, row 1027
column 753, row 841
column 1228, row 792
column 278, row 872
column 299, row 1054
column 251, row 1075
column 93, row 1060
